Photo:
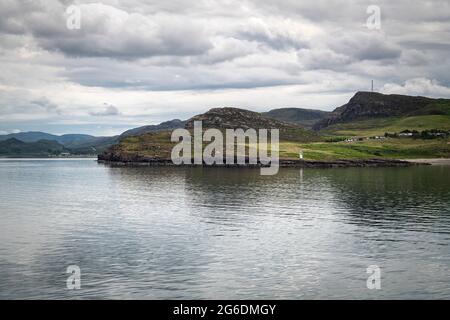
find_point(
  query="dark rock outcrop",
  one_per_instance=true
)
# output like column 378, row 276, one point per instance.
column 136, row 160
column 365, row 105
column 232, row 118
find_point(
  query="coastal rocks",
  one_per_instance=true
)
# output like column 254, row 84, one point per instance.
column 345, row 163
column 136, row 160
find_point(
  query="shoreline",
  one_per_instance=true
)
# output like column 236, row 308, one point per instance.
column 431, row 161
column 283, row 163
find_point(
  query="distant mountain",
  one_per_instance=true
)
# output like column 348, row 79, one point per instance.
column 34, row 136
column 68, row 139
column 92, row 146
column 304, row 117
column 372, row 105
column 87, row 144
column 167, row 125
column 75, row 143
column 15, row 147
column 31, row 136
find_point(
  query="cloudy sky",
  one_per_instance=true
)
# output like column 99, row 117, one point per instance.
column 137, row 62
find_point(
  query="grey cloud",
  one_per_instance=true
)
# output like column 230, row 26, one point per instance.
column 22, row 103
column 190, row 53
column 46, row 104
column 418, row 86
column 366, row 46
column 109, row 110
column 322, row 59
column 373, row 51
column 275, row 41
column 348, row 12
column 109, row 32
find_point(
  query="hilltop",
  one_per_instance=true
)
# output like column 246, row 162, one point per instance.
column 365, row 106
column 303, row 117
column 167, row 125
column 232, row 118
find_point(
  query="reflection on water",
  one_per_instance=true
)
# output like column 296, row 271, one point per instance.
column 157, row 233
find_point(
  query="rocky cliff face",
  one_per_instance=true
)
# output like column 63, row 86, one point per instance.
column 232, row 118
column 372, row 104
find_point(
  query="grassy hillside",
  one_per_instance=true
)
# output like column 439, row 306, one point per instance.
column 378, row 126
column 369, row 149
column 425, row 114
column 159, row 145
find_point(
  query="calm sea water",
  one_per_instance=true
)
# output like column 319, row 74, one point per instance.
column 158, row 233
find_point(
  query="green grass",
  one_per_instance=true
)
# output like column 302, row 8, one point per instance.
column 377, row 127
column 403, row 148
column 159, row 145
column 441, row 106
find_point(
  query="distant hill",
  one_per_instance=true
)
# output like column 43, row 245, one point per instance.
column 304, row 117
column 224, row 118
column 68, row 139
column 31, row 136
column 87, row 144
column 167, row 125
column 75, row 143
column 15, row 147
column 92, row 146
column 373, row 105
column 158, row 145
column 34, row 136
column 233, row 118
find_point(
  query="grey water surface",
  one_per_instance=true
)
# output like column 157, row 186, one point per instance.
column 209, row 233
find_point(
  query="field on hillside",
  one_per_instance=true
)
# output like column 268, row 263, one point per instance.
column 378, row 127
column 401, row 148
column 159, row 145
